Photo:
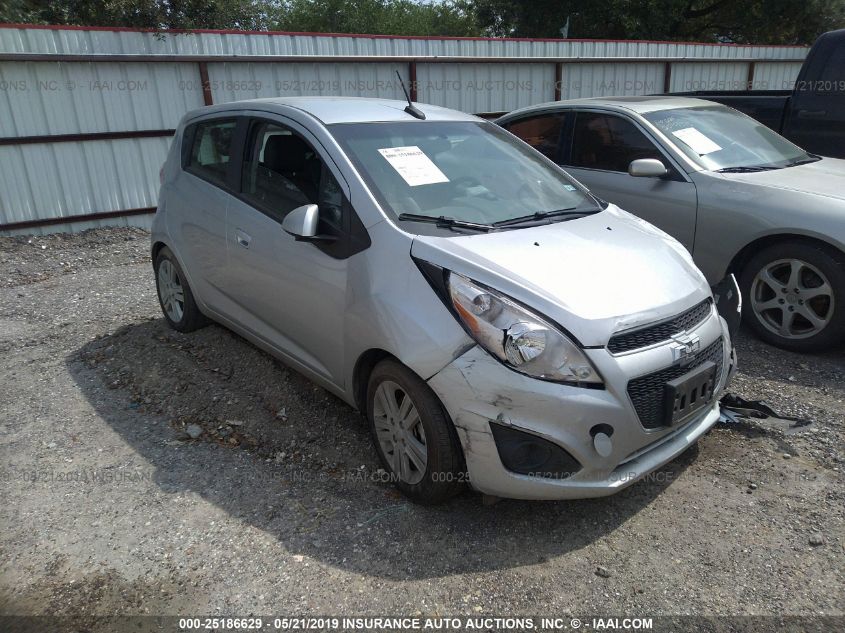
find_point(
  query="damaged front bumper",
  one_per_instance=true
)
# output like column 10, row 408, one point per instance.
column 596, row 431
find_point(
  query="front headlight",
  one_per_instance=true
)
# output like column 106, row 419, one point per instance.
column 519, row 338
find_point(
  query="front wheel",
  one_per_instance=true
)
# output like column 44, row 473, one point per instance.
column 795, row 293
column 413, row 434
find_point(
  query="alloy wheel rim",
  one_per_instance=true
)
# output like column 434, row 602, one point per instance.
column 792, row 298
column 400, row 432
column 170, row 291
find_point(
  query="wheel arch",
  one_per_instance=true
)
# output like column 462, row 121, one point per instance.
column 739, row 261
column 364, row 366
column 156, row 249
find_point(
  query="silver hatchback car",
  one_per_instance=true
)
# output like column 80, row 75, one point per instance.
column 496, row 324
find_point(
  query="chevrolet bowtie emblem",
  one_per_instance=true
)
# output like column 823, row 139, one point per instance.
column 685, row 347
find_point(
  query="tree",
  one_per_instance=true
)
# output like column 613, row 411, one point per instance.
column 397, row 17
column 739, row 21
column 388, row 17
column 155, row 14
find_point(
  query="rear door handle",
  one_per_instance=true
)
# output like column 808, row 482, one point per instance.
column 243, row 238
column 811, row 114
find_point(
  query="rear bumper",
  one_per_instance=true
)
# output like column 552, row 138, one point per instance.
column 477, row 390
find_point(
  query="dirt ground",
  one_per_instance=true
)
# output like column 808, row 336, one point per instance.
column 111, row 507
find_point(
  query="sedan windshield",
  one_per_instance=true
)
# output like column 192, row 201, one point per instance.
column 467, row 173
column 721, row 139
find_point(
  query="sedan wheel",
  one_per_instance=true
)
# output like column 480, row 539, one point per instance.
column 795, row 295
column 792, row 298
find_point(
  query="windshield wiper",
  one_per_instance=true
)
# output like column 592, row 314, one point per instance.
column 811, row 158
column 445, row 222
column 540, row 215
column 746, row 168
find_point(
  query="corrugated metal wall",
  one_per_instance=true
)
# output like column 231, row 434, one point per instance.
column 116, row 41
column 143, row 82
column 75, row 97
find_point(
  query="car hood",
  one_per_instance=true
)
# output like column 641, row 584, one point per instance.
column 825, row 177
column 593, row 275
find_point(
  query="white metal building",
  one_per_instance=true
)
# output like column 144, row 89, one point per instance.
column 86, row 113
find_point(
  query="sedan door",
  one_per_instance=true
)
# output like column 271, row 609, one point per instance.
column 291, row 294
column 598, row 152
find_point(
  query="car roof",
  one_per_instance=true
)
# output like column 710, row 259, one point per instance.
column 330, row 110
column 640, row 105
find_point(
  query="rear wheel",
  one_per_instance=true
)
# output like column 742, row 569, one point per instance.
column 174, row 294
column 795, row 296
column 413, row 434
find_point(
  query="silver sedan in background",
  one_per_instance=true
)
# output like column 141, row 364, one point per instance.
column 740, row 197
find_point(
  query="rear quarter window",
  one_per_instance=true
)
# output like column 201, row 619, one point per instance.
column 542, row 132
column 207, row 149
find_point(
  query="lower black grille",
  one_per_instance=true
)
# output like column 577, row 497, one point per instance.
column 658, row 332
column 646, row 392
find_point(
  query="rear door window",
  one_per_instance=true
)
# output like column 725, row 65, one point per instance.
column 608, row 142
column 542, row 132
column 211, row 150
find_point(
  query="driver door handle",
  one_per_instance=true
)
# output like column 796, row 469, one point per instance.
column 811, row 114
column 243, row 238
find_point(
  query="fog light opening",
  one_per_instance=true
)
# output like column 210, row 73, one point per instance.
column 528, row 454
column 602, row 443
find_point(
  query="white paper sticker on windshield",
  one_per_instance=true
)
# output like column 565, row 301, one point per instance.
column 699, row 143
column 413, row 165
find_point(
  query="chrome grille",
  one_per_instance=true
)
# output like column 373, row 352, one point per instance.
column 646, row 392
column 658, row 332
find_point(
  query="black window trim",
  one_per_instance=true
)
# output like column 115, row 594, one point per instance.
column 355, row 238
column 676, row 172
column 253, row 120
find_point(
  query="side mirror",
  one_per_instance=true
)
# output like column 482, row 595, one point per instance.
column 647, row 168
column 302, row 223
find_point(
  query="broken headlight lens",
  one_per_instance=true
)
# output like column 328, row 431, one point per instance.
column 519, row 338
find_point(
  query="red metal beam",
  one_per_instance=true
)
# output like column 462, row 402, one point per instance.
column 89, row 136
column 558, row 81
column 667, row 77
column 206, row 84
column 412, row 77
column 28, row 224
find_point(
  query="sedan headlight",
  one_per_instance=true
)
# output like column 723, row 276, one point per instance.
column 516, row 336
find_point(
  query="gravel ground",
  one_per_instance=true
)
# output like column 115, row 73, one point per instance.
column 151, row 472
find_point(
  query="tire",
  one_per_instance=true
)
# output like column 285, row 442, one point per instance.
column 174, row 294
column 794, row 296
column 441, row 475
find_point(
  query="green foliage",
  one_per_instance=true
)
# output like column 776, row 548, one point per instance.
column 156, row 14
column 388, row 17
column 740, row 21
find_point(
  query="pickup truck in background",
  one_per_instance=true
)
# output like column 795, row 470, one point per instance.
column 812, row 115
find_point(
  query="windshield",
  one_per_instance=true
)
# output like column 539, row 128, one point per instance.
column 464, row 170
column 720, row 138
